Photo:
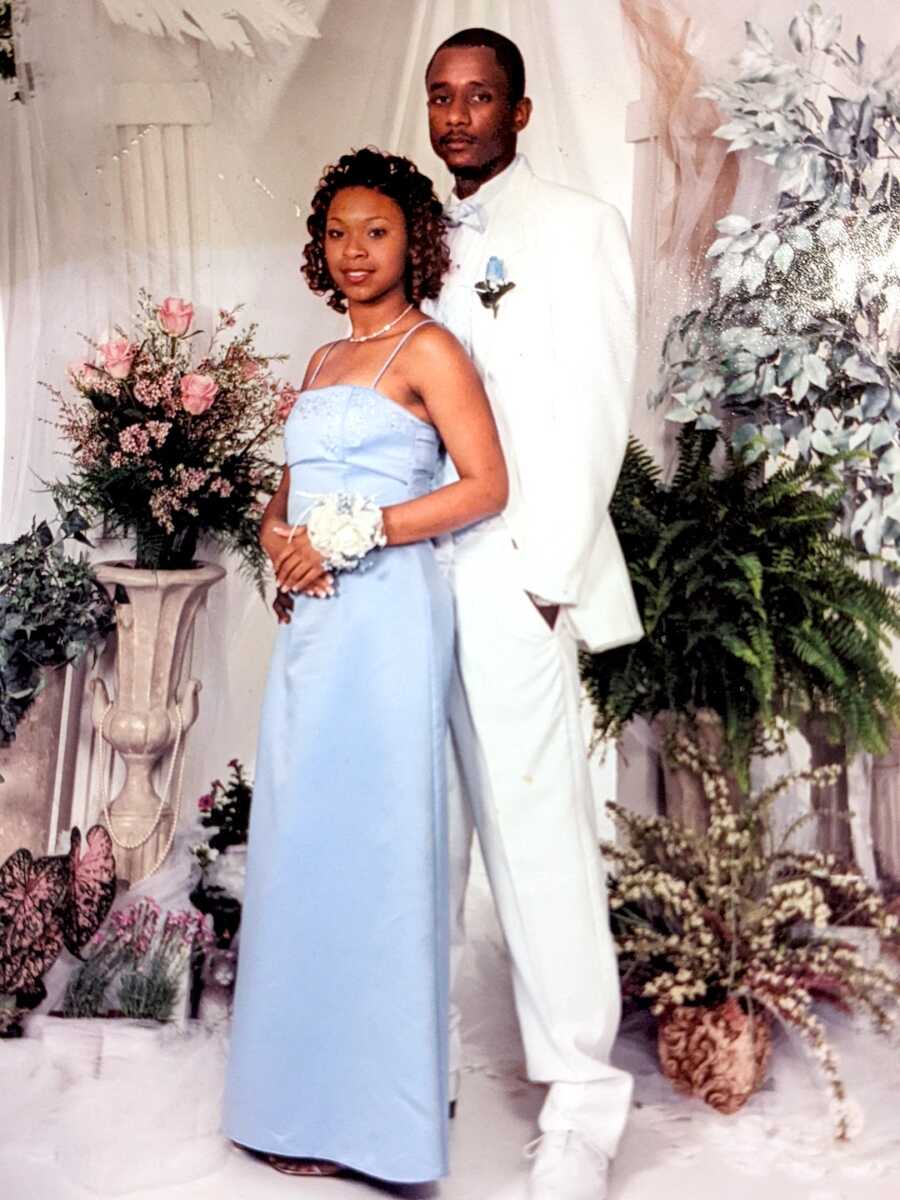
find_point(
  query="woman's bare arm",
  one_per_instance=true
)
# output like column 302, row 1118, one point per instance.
column 443, row 375
column 274, row 530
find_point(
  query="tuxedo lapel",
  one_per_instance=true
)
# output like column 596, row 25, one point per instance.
column 506, row 238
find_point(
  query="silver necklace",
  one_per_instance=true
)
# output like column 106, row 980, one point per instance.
column 367, row 337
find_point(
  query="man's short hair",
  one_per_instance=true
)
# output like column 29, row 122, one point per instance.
column 509, row 56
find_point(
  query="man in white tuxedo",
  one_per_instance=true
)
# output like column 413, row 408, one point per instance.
column 540, row 292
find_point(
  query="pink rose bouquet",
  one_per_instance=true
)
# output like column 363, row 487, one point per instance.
column 171, row 450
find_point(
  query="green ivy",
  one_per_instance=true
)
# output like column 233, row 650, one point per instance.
column 52, row 611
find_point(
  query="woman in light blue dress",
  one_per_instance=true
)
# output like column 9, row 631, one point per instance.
column 339, row 1040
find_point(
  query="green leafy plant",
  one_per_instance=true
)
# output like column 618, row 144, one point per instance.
column 225, row 809
column 52, row 611
column 796, row 350
column 734, row 915
column 752, row 606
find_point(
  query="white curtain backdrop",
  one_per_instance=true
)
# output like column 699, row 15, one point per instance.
column 91, row 211
column 189, row 169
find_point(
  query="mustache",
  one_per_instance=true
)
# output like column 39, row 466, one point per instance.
column 455, row 137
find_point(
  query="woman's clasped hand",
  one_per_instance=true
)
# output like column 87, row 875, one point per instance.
column 297, row 563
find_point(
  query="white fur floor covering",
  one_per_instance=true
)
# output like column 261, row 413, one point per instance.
column 147, row 1128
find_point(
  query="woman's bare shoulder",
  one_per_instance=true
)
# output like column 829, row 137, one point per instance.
column 315, row 360
column 435, row 343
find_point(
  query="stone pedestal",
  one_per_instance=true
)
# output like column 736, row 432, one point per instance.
column 28, row 768
column 152, row 709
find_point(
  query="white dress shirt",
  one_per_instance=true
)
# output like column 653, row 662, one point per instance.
column 469, row 255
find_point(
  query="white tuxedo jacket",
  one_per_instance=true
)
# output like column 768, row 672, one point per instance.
column 557, row 363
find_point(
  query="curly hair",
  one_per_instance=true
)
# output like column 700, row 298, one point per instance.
column 427, row 256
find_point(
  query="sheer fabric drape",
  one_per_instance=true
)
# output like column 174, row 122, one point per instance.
column 75, row 249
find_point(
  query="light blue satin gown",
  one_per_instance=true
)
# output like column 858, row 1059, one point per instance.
column 339, row 1033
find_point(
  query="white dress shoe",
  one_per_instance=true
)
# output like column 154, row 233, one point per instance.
column 566, row 1167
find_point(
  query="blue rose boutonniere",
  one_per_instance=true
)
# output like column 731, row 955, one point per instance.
column 495, row 285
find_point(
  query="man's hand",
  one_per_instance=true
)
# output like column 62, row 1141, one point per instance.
column 283, row 607
column 550, row 612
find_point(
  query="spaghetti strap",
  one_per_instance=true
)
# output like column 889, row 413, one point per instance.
column 320, row 364
column 393, row 354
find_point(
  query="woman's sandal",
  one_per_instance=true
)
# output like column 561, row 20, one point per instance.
column 303, row 1166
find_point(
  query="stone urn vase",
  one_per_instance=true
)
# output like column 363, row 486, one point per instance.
column 153, row 707
column 718, row 1054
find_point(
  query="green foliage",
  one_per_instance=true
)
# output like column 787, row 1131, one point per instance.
column 149, row 994
column 7, row 48
column 226, row 811
column 795, row 346
column 52, row 611
column 752, row 606
column 226, row 808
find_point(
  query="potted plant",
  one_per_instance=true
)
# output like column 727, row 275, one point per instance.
column 722, row 931
column 169, row 451
column 45, row 904
column 136, row 965
column 794, row 353
column 796, row 348
column 219, row 891
column 52, row 612
column 754, row 612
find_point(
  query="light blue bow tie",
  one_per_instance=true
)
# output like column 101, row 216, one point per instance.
column 466, row 212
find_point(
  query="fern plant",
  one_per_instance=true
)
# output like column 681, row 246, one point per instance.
column 753, row 606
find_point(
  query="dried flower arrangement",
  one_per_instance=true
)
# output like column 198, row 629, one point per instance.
column 729, row 916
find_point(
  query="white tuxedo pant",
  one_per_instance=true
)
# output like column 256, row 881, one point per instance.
column 521, row 778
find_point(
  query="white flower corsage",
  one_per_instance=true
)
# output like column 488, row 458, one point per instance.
column 495, row 285
column 344, row 527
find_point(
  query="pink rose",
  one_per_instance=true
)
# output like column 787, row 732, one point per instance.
column 117, row 356
column 197, row 393
column 175, row 316
column 205, row 803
